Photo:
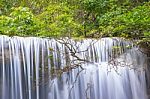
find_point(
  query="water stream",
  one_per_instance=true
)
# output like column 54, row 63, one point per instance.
column 115, row 69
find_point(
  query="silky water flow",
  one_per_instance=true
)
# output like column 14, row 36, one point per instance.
column 113, row 69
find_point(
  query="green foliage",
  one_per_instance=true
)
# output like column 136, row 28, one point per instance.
column 35, row 5
column 58, row 20
column 21, row 21
column 96, row 13
column 76, row 18
column 133, row 24
column 98, row 6
column 6, row 5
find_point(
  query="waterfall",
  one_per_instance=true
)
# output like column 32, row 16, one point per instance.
column 113, row 69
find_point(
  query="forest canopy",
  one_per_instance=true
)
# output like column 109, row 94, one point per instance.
column 76, row 18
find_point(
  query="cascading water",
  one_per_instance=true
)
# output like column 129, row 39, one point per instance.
column 111, row 73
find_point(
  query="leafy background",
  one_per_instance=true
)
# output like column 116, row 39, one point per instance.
column 76, row 18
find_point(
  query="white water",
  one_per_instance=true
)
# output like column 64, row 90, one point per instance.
column 25, row 70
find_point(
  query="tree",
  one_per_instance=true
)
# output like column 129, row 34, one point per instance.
column 21, row 21
column 58, row 20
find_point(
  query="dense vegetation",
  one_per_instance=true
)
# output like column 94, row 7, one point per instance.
column 76, row 18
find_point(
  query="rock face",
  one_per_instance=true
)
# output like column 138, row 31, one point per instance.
column 113, row 70
column 148, row 75
column 145, row 50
